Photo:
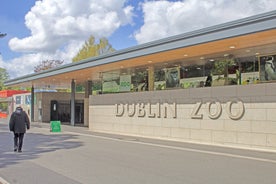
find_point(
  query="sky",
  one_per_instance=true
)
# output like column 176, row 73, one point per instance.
column 39, row 30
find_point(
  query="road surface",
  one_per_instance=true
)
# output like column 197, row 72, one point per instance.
column 76, row 155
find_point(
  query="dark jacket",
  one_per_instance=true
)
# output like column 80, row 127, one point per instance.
column 19, row 121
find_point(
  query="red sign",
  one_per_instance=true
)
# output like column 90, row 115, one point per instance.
column 9, row 93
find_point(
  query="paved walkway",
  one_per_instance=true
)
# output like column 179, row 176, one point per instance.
column 77, row 155
column 81, row 130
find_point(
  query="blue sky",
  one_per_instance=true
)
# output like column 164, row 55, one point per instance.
column 12, row 21
column 12, row 13
column 54, row 29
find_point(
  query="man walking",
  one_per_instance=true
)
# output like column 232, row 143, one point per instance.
column 19, row 121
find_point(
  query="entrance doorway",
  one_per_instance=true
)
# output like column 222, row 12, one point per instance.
column 63, row 109
column 79, row 112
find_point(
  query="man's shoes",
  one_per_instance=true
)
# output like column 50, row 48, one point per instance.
column 19, row 151
column 15, row 149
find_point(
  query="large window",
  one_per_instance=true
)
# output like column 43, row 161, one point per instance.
column 18, row 100
column 268, row 68
column 213, row 70
column 96, row 87
column 192, row 76
column 139, row 80
column 249, row 70
column 159, row 79
column 111, row 82
column 28, row 99
column 123, row 81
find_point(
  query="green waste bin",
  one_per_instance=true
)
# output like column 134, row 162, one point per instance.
column 55, row 126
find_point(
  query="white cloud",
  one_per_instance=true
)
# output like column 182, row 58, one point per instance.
column 55, row 22
column 164, row 18
column 59, row 28
column 25, row 64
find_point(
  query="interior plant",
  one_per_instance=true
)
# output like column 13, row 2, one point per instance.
column 221, row 67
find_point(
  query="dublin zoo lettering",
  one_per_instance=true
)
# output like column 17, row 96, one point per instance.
column 165, row 110
column 150, row 110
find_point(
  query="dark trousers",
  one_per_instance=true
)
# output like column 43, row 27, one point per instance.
column 18, row 140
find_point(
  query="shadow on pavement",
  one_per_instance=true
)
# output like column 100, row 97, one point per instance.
column 34, row 145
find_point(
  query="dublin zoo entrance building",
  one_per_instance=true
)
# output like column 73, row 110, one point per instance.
column 213, row 86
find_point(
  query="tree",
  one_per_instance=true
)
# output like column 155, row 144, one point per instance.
column 104, row 47
column 91, row 49
column 3, row 77
column 47, row 64
column 221, row 66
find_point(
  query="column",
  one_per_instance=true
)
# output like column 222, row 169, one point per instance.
column 32, row 104
column 88, row 91
column 151, row 78
column 73, row 92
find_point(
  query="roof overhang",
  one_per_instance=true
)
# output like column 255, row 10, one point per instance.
column 252, row 32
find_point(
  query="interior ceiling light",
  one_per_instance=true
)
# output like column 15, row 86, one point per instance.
column 149, row 61
column 185, row 55
column 257, row 53
column 225, row 55
column 232, row 47
column 201, row 58
column 248, row 50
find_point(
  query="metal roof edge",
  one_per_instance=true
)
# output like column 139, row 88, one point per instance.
column 215, row 28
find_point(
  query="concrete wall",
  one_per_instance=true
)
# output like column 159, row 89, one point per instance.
column 240, row 116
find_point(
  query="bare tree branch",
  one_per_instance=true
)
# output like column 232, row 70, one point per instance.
column 47, row 64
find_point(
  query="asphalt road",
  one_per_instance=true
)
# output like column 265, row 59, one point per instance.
column 78, row 156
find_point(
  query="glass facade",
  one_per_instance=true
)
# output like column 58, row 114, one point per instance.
column 238, row 67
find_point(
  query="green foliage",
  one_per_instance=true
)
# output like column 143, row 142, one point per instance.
column 3, row 77
column 97, row 85
column 91, row 49
column 221, row 66
column 4, row 106
column 80, row 88
column 47, row 64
